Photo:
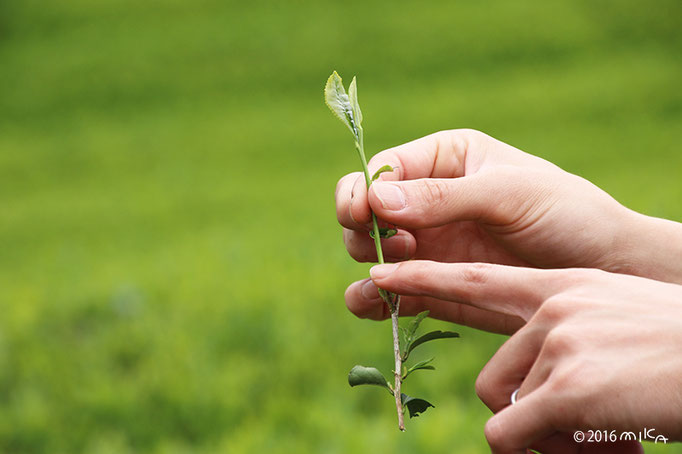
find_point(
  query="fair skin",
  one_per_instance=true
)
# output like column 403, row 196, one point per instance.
column 598, row 350
column 470, row 198
column 461, row 196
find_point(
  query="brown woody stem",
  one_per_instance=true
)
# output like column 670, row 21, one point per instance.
column 398, row 363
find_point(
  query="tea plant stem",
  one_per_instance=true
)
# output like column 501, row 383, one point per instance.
column 393, row 303
column 397, row 393
column 359, row 145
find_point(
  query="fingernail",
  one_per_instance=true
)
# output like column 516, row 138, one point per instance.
column 381, row 271
column 390, row 196
column 369, row 291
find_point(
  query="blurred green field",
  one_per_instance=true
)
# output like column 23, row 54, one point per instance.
column 171, row 271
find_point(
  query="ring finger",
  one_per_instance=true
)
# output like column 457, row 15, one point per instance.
column 508, row 368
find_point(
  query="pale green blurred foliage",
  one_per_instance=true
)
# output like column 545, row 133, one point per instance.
column 171, row 271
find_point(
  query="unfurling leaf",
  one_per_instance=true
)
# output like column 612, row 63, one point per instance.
column 384, row 233
column 415, row 405
column 361, row 375
column 339, row 103
column 433, row 335
column 421, row 365
column 385, row 168
column 414, row 324
column 410, row 332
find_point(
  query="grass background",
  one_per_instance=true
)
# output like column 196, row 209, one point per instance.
column 171, row 271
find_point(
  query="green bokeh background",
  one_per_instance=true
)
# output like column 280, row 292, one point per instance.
column 171, row 270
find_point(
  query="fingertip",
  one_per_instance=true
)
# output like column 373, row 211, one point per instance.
column 387, row 196
column 397, row 248
column 343, row 197
column 363, row 300
column 380, row 272
column 369, row 291
column 358, row 208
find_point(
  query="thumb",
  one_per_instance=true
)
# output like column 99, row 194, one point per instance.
column 497, row 197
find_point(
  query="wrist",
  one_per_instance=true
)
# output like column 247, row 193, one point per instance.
column 649, row 247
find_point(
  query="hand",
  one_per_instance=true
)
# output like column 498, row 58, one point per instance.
column 599, row 351
column 461, row 196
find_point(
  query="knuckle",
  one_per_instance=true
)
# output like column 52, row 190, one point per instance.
column 553, row 310
column 495, row 434
column 578, row 277
column 434, row 190
column 475, row 273
column 447, row 135
column 483, row 386
column 471, row 133
column 591, row 276
column 472, row 277
column 463, row 139
column 559, row 342
column 562, row 380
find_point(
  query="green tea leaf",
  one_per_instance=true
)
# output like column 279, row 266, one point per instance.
column 385, row 168
column 414, row 324
column 421, row 365
column 433, row 335
column 339, row 103
column 361, row 375
column 355, row 105
column 384, row 233
column 415, row 405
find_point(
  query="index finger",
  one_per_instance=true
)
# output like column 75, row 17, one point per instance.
column 439, row 155
column 504, row 289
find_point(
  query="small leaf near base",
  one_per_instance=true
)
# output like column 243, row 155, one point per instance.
column 421, row 365
column 383, row 169
column 384, row 233
column 361, row 375
column 410, row 332
column 414, row 324
column 433, row 335
column 415, row 405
